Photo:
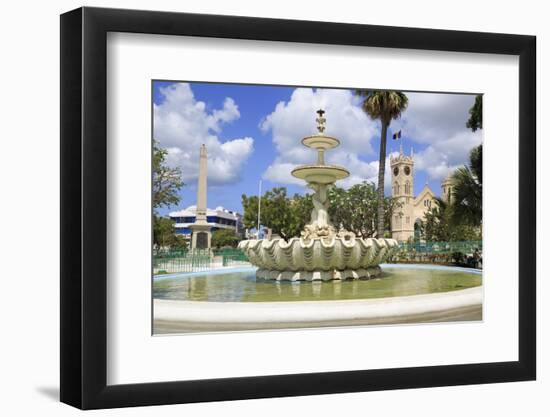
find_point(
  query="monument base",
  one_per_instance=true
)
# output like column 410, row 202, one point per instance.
column 329, row 275
column 201, row 237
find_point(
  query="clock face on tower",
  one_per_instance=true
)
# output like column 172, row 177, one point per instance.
column 407, row 170
column 395, row 171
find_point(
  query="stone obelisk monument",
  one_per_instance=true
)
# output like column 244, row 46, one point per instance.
column 201, row 235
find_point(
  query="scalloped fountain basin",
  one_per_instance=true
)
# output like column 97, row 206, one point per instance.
column 318, row 259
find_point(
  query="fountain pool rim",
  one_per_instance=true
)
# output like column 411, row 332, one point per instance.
column 179, row 316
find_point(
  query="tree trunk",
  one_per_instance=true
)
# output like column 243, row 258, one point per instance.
column 381, row 172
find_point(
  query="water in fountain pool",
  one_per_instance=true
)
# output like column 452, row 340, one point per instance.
column 243, row 286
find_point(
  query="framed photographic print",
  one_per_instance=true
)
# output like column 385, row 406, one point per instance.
column 256, row 208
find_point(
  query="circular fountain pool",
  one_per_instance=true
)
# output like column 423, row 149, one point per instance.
column 243, row 286
column 228, row 300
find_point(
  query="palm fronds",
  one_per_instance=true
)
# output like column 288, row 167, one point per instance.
column 383, row 105
column 468, row 191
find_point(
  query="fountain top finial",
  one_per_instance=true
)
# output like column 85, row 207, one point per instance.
column 321, row 121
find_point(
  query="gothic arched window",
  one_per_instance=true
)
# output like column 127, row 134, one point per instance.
column 407, row 188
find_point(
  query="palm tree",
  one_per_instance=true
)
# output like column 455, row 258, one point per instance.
column 468, row 190
column 384, row 106
column 439, row 226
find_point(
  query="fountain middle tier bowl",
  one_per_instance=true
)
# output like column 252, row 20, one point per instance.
column 320, row 174
column 315, row 259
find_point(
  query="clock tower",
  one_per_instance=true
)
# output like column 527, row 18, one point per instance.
column 402, row 180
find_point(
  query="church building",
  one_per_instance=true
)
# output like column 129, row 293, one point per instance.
column 405, row 224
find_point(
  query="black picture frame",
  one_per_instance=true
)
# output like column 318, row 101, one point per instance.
column 84, row 207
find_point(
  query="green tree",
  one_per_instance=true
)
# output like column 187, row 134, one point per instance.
column 476, row 115
column 163, row 229
column 178, row 242
column 224, row 237
column 166, row 181
column 276, row 212
column 250, row 211
column 356, row 209
column 384, row 106
column 166, row 185
column 300, row 213
column 285, row 216
column 439, row 225
column 468, row 190
column 164, row 236
column 435, row 226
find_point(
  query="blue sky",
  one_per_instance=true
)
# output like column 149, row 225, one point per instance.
column 253, row 132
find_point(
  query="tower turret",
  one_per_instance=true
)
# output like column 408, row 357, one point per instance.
column 447, row 189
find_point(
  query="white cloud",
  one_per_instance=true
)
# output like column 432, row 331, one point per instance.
column 279, row 173
column 292, row 120
column 431, row 117
column 439, row 121
column 435, row 121
column 443, row 156
column 182, row 124
column 359, row 170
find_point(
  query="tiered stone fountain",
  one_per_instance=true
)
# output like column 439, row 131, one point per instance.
column 323, row 252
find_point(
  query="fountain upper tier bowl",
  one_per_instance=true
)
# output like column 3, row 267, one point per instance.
column 320, row 142
column 320, row 174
